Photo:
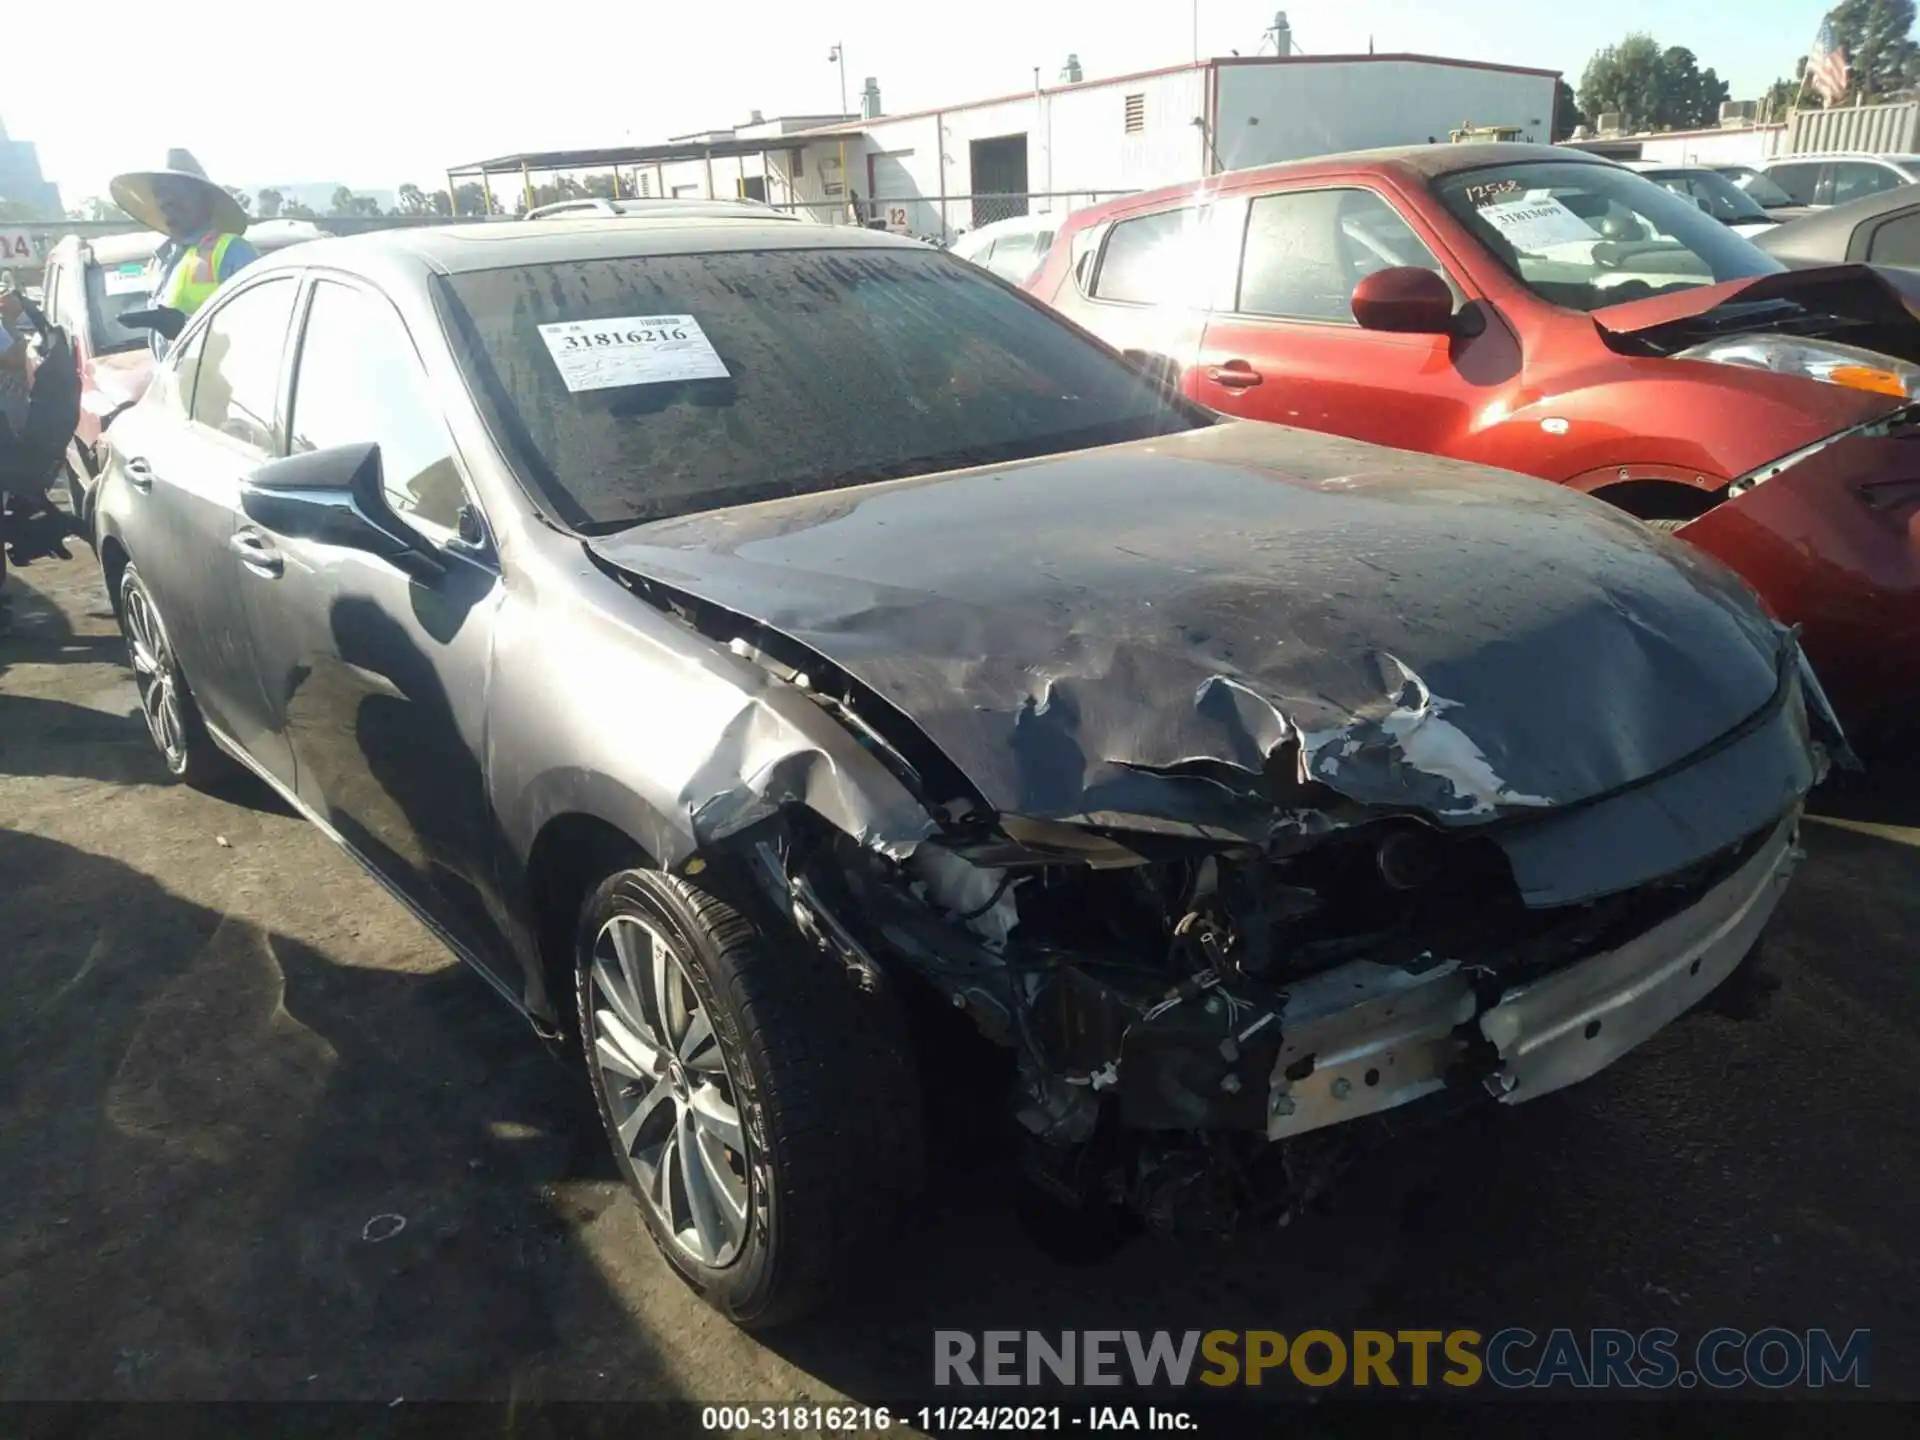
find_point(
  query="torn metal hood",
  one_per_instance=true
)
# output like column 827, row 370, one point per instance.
column 1083, row 634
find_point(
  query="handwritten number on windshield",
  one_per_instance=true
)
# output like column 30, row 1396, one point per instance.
column 1485, row 194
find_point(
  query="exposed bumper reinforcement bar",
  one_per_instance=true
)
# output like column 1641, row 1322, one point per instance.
column 1364, row 1038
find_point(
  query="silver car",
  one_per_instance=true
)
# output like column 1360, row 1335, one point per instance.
column 744, row 641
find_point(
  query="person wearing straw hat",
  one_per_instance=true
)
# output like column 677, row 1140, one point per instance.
column 204, row 226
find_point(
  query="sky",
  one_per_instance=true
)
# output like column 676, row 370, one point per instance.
column 376, row 93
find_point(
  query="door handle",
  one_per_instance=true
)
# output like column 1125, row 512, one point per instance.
column 256, row 552
column 1234, row 375
column 139, row 473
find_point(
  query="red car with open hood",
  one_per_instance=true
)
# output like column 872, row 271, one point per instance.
column 1550, row 312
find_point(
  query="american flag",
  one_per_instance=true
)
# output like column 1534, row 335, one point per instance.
column 1827, row 69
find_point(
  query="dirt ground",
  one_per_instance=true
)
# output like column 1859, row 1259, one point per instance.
column 260, row 1138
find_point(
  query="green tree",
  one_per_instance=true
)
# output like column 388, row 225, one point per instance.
column 412, row 201
column 296, row 210
column 1566, row 111
column 1690, row 98
column 1780, row 96
column 270, row 202
column 1624, row 79
column 343, row 202
column 471, row 199
column 1878, row 35
column 1651, row 88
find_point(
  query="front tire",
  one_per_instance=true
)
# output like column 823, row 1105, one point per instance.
column 761, row 1103
column 173, row 719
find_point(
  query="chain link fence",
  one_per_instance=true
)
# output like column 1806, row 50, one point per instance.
column 942, row 219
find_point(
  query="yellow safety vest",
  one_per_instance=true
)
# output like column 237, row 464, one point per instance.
column 195, row 275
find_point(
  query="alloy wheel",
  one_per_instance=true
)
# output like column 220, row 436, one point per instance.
column 155, row 675
column 671, row 1099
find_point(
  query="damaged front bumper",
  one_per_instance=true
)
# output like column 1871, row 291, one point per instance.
column 1366, row 1038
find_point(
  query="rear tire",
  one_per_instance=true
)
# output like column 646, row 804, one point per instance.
column 166, row 702
column 761, row 1104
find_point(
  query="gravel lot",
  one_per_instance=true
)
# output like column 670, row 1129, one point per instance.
column 231, row 1060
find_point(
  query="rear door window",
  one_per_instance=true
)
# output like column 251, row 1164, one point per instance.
column 1897, row 242
column 237, row 387
column 1854, row 178
column 1012, row 258
column 1799, row 181
column 1149, row 260
column 360, row 380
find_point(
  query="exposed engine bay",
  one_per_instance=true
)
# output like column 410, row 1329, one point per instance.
column 1173, row 1016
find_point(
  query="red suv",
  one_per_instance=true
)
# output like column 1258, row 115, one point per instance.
column 1551, row 312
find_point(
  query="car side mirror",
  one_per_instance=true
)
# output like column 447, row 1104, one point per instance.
column 1405, row 300
column 335, row 497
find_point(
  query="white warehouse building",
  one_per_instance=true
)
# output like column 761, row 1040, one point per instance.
column 1059, row 147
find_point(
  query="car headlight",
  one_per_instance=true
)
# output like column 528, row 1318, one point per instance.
column 1821, row 360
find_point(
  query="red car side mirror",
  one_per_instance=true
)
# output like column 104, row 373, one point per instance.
column 1404, row 299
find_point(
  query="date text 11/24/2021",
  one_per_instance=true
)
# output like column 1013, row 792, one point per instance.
column 942, row 1419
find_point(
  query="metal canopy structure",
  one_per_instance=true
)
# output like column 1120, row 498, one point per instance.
column 530, row 163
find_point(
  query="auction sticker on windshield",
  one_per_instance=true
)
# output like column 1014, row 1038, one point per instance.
column 631, row 350
column 1537, row 224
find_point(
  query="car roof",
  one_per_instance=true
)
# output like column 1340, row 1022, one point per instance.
column 494, row 245
column 1012, row 225
column 588, row 206
column 1413, row 162
column 118, row 249
column 1824, row 155
column 264, row 235
column 1822, row 229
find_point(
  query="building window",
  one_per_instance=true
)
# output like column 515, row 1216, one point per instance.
column 1136, row 114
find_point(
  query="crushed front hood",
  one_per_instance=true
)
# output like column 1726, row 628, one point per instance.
column 1425, row 634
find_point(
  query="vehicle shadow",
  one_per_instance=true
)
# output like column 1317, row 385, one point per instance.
column 233, row 1168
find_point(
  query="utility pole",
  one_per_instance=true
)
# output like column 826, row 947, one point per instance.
column 838, row 56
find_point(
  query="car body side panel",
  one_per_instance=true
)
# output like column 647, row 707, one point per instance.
column 1833, row 542
column 669, row 738
column 378, row 682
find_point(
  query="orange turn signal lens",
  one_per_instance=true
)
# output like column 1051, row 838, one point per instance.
column 1865, row 377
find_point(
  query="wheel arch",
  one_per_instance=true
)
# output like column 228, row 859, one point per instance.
column 1653, row 492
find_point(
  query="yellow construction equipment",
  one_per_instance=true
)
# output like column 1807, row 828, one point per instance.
column 1472, row 134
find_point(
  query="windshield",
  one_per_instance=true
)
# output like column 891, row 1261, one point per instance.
column 112, row 290
column 1758, row 187
column 639, row 388
column 1586, row 236
column 1712, row 192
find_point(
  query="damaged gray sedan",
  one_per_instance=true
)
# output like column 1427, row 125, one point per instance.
column 728, row 637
